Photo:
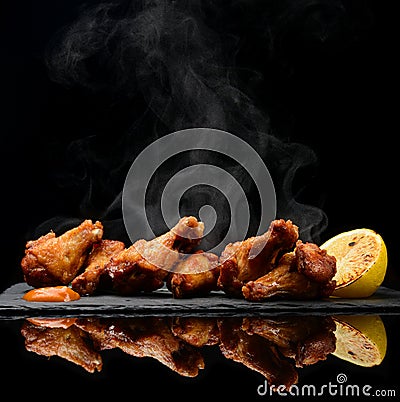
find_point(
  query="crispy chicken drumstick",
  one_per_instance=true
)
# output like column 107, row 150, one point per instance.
column 195, row 275
column 305, row 273
column 145, row 265
column 88, row 281
column 252, row 258
column 52, row 261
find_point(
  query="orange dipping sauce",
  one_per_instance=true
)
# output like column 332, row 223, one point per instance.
column 51, row 294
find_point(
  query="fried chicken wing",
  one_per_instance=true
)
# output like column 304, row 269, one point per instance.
column 145, row 265
column 52, row 260
column 184, row 236
column 295, row 276
column 315, row 263
column 145, row 337
column 87, row 282
column 195, row 275
column 254, row 257
column 69, row 343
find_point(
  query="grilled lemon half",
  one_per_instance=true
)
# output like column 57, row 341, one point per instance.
column 361, row 262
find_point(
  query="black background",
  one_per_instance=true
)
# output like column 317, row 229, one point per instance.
column 335, row 95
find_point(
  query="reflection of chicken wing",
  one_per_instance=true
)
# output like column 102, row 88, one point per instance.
column 273, row 347
column 52, row 322
column 196, row 275
column 256, row 353
column 145, row 337
column 254, row 257
column 51, row 260
column 304, row 339
column 295, row 276
column 196, row 331
column 87, row 282
column 69, row 343
column 144, row 265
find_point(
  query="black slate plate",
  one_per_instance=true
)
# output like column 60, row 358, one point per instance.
column 161, row 303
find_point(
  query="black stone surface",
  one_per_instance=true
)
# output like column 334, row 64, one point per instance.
column 161, row 303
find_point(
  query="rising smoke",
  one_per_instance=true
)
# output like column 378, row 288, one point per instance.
column 185, row 63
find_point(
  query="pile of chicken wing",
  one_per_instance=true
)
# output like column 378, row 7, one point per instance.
column 274, row 265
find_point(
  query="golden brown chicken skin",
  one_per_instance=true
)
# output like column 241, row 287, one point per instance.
column 145, row 265
column 52, row 260
column 128, row 273
column 195, row 275
column 87, row 282
column 252, row 258
column 315, row 263
column 305, row 273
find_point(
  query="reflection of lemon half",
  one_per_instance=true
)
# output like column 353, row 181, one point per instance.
column 360, row 340
column 361, row 261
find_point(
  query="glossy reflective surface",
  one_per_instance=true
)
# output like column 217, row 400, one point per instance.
column 180, row 357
